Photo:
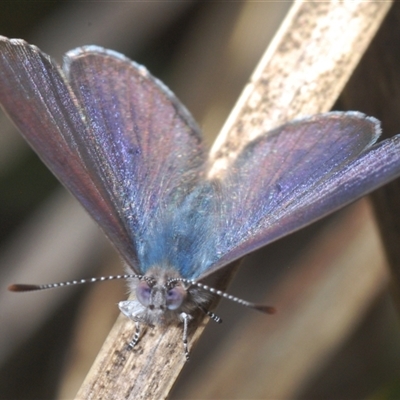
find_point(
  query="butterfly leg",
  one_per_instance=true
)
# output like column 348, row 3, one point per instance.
column 185, row 318
column 136, row 337
column 213, row 316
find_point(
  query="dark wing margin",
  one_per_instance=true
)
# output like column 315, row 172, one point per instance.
column 297, row 174
column 73, row 135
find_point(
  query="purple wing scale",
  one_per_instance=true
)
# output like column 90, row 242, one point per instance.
column 143, row 138
column 297, row 174
column 34, row 94
column 138, row 125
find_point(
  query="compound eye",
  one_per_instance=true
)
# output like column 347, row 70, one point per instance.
column 143, row 293
column 175, row 297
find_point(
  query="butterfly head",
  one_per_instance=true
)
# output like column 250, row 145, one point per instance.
column 162, row 296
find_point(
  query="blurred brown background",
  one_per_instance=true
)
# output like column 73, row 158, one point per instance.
column 205, row 52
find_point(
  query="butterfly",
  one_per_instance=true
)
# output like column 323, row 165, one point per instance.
column 122, row 143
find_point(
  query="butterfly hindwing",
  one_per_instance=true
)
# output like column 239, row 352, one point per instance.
column 144, row 139
column 297, row 174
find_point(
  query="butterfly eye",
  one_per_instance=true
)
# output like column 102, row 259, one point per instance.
column 143, row 293
column 175, row 297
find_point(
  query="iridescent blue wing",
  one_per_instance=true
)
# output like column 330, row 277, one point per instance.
column 146, row 147
column 296, row 174
column 107, row 130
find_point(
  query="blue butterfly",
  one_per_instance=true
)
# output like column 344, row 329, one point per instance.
column 130, row 152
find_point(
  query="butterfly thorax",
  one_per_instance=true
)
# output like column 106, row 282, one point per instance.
column 161, row 298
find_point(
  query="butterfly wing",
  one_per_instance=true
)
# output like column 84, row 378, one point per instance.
column 296, row 174
column 113, row 135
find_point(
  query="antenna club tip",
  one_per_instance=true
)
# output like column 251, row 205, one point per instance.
column 265, row 309
column 17, row 287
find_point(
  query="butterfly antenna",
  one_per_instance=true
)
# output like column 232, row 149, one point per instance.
column 259, row 307
column 19, row 287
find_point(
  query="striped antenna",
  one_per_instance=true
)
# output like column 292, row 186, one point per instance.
column 20, row 287
column 254, row 306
